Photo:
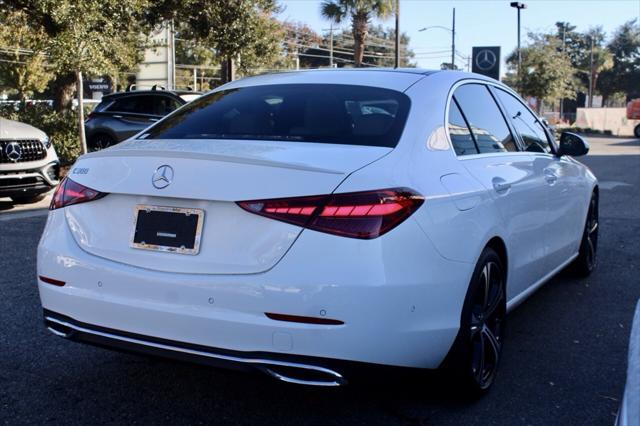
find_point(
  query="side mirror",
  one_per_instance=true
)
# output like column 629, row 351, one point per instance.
column 573, row 145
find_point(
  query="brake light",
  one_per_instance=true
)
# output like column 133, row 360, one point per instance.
column 69, row 192
column 364, row 215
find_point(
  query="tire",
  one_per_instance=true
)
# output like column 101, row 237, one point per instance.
column 28, row 199
column 636, row 131
column 101, row 141
column 587, row 259
column 474, row 359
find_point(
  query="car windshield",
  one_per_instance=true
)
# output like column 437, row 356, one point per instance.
column 322, row 113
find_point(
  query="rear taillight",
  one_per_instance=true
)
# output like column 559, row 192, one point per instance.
column 363, row 215
column 69, row 192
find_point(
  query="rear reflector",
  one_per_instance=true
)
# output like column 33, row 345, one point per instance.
column 51, row 281
column 303, row 320
column 69, row 192
column 365, row 215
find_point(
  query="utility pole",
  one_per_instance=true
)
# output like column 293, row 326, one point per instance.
column 519, row 6
column 590, row 104
column 564, row 43
column 397, row 33
column 453, row 41
column 331, row 45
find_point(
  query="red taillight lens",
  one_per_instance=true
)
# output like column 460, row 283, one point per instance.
column 363, row 215
column 69, row 192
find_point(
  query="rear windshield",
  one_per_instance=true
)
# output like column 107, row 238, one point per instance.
column 323, row 113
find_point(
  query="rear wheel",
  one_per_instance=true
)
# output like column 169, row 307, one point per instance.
column 476, row 354
column 636, row 131
column 101, row 141
column 587, row 259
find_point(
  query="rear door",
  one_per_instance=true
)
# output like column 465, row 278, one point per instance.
column 561, row 178
column 514, row 179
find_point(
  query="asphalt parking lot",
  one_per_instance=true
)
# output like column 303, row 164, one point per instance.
column 564, row 361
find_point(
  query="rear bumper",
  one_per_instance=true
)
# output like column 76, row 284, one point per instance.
column 30, row 181
column 293, row 369
column 401, row 311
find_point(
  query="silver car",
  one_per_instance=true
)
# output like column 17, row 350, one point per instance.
column 29, row 165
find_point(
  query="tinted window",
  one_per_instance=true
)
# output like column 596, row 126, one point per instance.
column 529, row 127
column 325, row 113
column 487, row 124
column 461, row 137
column 163, row 105
column 130, row 104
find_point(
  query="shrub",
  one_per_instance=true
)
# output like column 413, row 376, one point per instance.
column 61, row 127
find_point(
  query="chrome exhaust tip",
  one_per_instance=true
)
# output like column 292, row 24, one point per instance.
column 303, row 374
column 58, row 329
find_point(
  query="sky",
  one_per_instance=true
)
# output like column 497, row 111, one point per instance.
column 479, row 22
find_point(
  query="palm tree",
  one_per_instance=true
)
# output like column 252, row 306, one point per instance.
column 360, row 11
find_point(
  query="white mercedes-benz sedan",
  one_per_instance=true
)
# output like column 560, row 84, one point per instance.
column 306, row 224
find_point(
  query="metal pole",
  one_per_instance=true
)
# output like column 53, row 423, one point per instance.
column 591, row 76
column 519, row 52
column 195, row 78
column 453, row 41
column 331, row 45
column 564, row 42
column 397, row 33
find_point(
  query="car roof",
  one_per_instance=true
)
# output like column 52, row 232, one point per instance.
column 402, row 78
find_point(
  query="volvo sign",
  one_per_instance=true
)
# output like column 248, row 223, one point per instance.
column 486, row 61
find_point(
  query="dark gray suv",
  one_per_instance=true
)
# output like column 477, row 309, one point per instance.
column 121, row 115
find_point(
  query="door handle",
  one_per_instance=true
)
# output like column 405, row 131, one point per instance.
column 117, row 116
column 153, row 120
column 500, row 185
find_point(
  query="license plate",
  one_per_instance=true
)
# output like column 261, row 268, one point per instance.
column 168, row 229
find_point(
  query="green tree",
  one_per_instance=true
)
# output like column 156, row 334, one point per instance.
column 23, row 68
column 243, row 33
column 624, row 75
column 546, row 73
column 361, row 12
column 93, row 37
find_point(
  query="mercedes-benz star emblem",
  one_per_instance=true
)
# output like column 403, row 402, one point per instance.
column 162, row 177
column 485, row 60
column 13, row 151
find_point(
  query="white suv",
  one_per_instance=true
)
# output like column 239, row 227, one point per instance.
column 29, row 165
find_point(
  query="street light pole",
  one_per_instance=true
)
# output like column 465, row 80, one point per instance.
column 452, row 30
column 453, row 41
column 519, row 6
column 397, row 33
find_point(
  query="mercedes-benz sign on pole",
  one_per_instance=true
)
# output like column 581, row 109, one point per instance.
column 486, row 61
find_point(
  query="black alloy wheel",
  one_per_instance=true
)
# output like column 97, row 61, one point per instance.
column 475, row 356
column 587, row 259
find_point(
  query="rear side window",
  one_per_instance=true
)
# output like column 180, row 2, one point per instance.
column 129, row 104
column 322, row 113
column 163, row 105
column 487, row 125
column 140, row 104
column 530, row 129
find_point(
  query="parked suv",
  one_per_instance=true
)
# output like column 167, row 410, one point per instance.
column 29, row 165
column 122, row 115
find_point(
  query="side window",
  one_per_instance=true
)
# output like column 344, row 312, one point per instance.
column 163, row 105
column 530, row 129
column 127, row 104
column 460, row 134
column 488, row 127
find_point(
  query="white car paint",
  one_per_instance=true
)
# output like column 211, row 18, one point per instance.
column 399, row 295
